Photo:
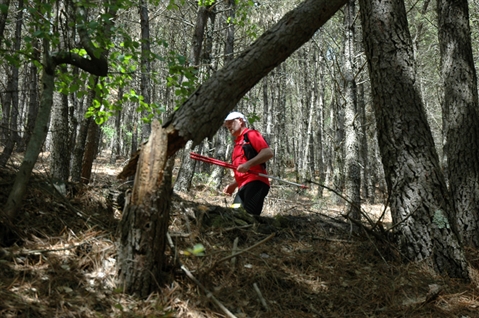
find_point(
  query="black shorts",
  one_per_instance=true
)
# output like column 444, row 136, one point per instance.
column 251, row 196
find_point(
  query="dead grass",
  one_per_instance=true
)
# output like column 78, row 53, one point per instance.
column 64, row 265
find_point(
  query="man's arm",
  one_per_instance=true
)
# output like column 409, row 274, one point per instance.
column 264, row 155
column 230, row 188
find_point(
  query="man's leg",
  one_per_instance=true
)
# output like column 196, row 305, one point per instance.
column 251, row 196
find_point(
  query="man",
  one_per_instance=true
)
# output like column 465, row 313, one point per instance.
column 250, row 153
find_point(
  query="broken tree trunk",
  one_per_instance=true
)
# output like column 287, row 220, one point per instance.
column 145, row 220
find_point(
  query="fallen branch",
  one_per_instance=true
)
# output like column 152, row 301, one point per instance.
column 261, row 298
column 208, row 293
column 240, row 252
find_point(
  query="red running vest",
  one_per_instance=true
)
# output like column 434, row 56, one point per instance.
column 257, row 141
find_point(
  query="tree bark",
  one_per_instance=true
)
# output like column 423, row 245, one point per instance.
column 3, row 18
column 420, row 209
column 351, row 125
column 460, row 116
column 91, row 151
column 145, row 64
column 33, row 102
column 187, row 170
column 145, row 220
column 12, row 94
column 60, row 152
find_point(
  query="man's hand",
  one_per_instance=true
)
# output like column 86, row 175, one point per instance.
column 230, row 188
column 243, row 167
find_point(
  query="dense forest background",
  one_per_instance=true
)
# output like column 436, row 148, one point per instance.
column 82, row 83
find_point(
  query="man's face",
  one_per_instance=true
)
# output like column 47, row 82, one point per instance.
column 234, row 126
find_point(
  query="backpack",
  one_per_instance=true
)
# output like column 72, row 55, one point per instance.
column 249, row 151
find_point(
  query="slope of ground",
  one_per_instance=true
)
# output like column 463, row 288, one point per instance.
column 298, row 260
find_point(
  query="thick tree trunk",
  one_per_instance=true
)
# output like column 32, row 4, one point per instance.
column 420, row 209
column 460, row 116
column 145, row 220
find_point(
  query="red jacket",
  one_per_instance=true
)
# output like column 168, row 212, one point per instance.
column 257, row 141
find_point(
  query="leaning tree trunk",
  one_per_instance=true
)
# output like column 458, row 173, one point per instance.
column 221, row 92
column 420, row 209
column 145, row 220
column 34, row 146
column 460, row 116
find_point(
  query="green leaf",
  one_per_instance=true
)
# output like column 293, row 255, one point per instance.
column 197, row 250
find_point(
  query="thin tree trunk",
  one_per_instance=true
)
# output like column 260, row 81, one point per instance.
column 80, row 144
column 351, row 124
column 338, row 146
column 60, row 151
column 33, row 103
column 221, row 151
column 230, row 32
column 91, row 151
column 319, row 144
column 145, row 65
column 5, row 4
column 115, row 146
column 187, row 170
column 188, row 166
column 12, row 94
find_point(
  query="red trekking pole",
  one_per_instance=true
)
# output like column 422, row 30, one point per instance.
column 217, row 162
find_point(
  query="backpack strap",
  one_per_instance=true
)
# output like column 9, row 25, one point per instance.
column 248, row 149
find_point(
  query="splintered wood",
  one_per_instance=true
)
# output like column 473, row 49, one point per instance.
column 151, row 164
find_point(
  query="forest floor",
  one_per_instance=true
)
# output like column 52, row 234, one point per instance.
column 299, row 260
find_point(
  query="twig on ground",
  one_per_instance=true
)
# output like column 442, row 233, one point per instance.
column 261, row 298
column 240, row 252
column 207, row 292
column 323, row 238
column 237, row 227
column 235, row 249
